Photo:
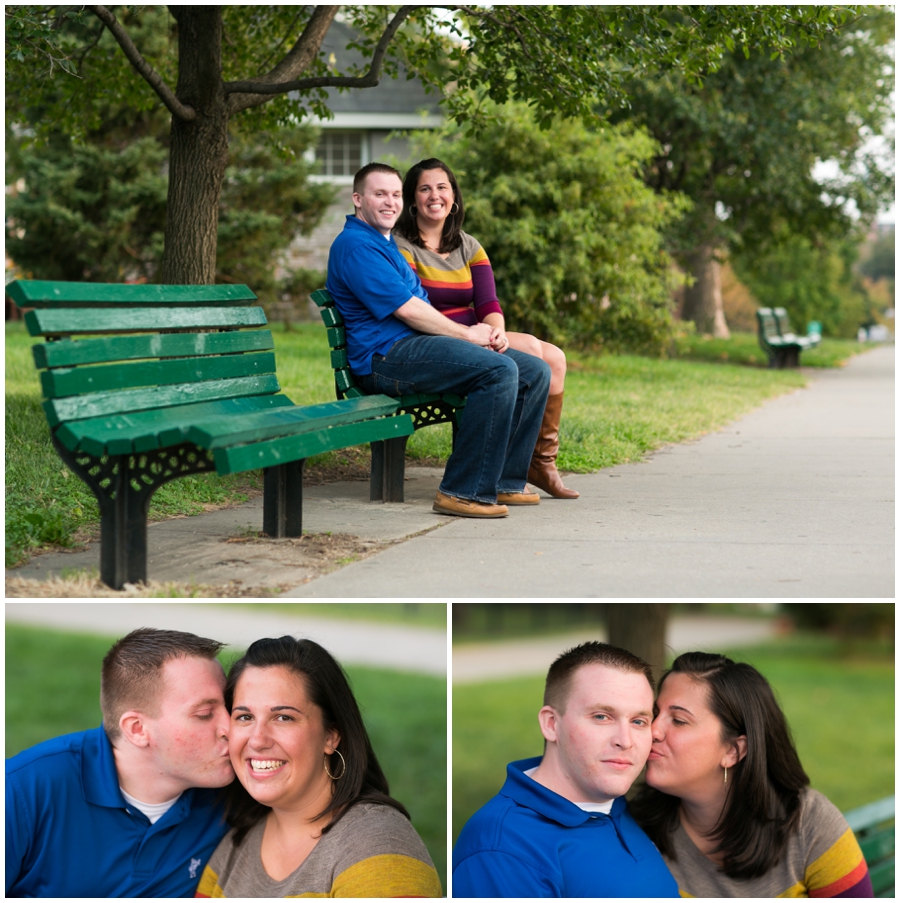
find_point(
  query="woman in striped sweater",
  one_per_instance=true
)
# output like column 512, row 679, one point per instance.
column 457, row 275
column 727, row 801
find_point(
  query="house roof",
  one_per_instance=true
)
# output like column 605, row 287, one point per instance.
column 394, row 103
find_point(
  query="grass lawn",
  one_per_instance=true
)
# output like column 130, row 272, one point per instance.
column 53, row 688
column 618, row 408
column 743, row 348
column 415, row 614
column 840, row 706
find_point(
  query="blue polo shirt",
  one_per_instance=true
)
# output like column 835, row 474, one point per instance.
column 70, row 833
column 531, row 842
column 368, row 280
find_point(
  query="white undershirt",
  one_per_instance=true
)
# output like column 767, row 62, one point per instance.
column 153, row 811
column 605, row 808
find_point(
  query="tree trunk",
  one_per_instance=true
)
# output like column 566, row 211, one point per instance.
column 199, row 151
column 641, row 629
column 703, row 299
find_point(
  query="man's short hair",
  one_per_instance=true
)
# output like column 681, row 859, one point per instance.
column 559, row 677
column 359, row 180
column 131, row 677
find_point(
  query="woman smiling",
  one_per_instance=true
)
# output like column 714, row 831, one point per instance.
column 310, row 813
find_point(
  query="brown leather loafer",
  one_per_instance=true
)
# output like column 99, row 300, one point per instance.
column 447, row 504
column 518, row 498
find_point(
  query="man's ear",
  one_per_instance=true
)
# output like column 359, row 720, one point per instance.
column 133, row 726
column 357, row 200
column 547, row 718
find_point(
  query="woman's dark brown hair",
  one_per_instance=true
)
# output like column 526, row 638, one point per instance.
column 406, row 224
column 327, row 686
column 763, row 804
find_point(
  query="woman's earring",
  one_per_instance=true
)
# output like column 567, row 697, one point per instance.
column 452, row 211
column 726, row 774
column 343, row 770
column 413, row 211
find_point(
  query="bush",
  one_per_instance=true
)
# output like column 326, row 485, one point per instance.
column 572, row 232
column 847, row 620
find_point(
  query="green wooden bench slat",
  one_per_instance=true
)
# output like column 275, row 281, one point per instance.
column 871, row 815
column 291, row 448
column 220, row 432
column 882, row 876
column 144, row 431
column 66, row 322
column 66, row 353
column 107, row 377
column 339, row 359
column 37, row 293
column 330, row 317
column 104, row 404
column 321, row 297
column 337, row 336
column 343, row 381
column 877, row 845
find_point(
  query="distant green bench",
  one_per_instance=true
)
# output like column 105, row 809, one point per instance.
column 779, row 341
column 388, row 457
column 144, row 384
column 873, row 826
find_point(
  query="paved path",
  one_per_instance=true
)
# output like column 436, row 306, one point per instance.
column 391, row 646
column 473, row 662
column 796, row 499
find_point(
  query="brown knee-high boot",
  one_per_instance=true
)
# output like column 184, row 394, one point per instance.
column 542, row 472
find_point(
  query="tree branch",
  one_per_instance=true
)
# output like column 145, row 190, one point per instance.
column 143, row 68
column 258, row 91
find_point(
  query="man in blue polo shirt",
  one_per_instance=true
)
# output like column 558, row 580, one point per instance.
column 398, row 344
column 559, row 826
column 127, row 809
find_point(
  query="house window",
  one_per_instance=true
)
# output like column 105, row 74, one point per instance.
column 339, row 153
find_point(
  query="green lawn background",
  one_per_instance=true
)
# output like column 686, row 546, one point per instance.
column 53, row 688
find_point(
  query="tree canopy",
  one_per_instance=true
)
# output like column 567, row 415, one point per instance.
column 208, row 64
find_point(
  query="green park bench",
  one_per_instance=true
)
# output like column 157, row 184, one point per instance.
column 143, row 384
column 778, row 340
column 388, row 456
column 873, row 826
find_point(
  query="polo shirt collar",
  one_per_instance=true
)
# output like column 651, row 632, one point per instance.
column 527, row 792
column 356, row 222
column 98, row 771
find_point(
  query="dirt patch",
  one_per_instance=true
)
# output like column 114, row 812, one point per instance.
column 302, row 559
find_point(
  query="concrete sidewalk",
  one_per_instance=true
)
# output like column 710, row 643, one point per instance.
column 475, row 662
column 795, row 500
column 391, row 646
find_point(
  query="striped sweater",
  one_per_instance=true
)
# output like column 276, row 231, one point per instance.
column 373, row 851
column 821, row 859
column 460, row 287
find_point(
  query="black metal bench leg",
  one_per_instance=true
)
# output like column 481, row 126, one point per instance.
column 123, row 528
column 388, row 470
column 283, row 500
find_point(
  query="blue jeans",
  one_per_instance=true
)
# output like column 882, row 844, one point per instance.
column 505, row 399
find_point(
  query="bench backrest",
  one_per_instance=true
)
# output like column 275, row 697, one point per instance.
column 115, row 349
column 345, row 384
column 768, row 327
column 873, row 826
column 783, row 322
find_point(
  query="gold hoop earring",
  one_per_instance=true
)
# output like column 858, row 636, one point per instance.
column 413, row 211
column 343, row 770
column 726, row 775
column 452, row 211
